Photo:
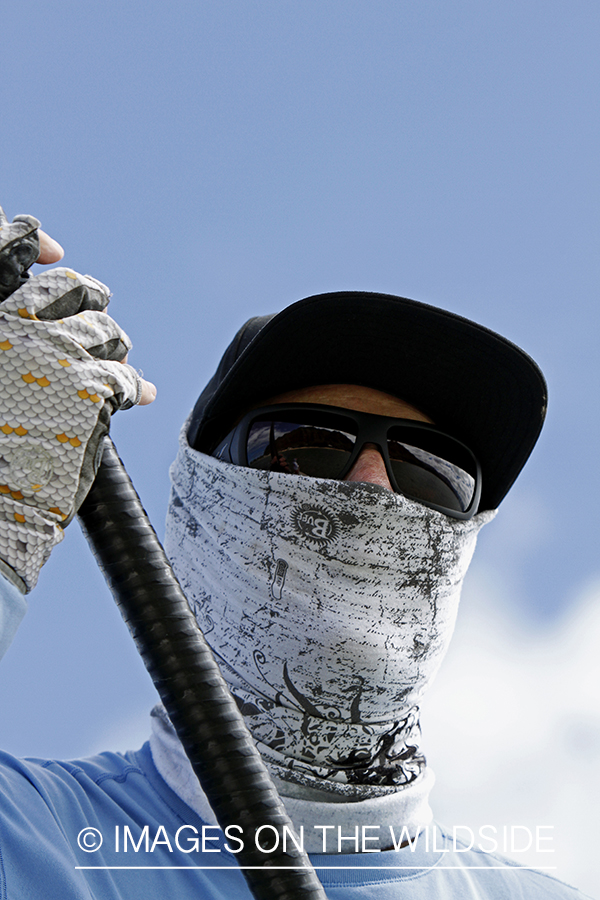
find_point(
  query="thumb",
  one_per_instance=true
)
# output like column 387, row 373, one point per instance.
column 50, row 250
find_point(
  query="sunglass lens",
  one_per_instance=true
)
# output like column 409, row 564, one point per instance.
column 300, row 448
column 440, row 472
column 424, row 476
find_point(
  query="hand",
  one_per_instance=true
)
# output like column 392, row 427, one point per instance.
column 52, row 252
column 63, row 372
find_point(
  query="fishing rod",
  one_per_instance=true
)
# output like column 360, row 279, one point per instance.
column 207, row 720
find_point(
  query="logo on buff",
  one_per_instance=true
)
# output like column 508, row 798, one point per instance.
column 315, row 523
column 278, row 582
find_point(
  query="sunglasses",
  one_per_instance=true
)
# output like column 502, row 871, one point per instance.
column 422, row 463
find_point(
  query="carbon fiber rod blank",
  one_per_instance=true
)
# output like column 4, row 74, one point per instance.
column 180, row 662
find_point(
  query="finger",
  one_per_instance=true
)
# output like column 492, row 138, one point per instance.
column 58, row 293
column 148, row 389
column 50, row 250
column 148, row 393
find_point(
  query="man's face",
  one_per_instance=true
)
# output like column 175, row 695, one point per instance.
column 369, row 466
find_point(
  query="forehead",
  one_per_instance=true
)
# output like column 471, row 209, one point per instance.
column 351, row 396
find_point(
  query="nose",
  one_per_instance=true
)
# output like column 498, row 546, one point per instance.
column 370, row 467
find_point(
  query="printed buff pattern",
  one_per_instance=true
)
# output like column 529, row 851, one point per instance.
column 329, row 606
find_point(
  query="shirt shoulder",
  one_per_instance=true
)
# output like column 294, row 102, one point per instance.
column 512, row 879
column 439, row 868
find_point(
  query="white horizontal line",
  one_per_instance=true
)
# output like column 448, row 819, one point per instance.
column 324, row 868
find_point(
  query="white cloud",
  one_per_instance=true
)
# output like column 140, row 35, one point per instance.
column 512, row 726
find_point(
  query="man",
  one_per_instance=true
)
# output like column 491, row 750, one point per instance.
column 327, row 495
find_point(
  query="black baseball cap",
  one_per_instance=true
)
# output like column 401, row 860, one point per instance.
column 473, row 383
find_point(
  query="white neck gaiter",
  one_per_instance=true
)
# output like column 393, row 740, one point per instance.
column 329, row 606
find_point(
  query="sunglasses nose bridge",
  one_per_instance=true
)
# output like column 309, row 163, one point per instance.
column 368, row 432
column 374, row 433
column 371, row 435
column 361, row 445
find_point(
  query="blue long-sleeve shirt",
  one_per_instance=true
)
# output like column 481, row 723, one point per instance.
column 110, row 828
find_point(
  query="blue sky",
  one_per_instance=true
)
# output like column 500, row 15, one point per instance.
column 216, row 160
